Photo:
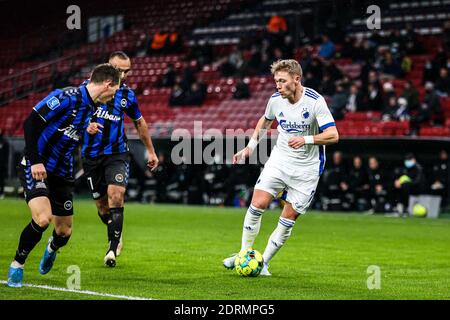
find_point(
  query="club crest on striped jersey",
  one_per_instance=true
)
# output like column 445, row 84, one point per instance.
column 53, row 103
column 123, row 103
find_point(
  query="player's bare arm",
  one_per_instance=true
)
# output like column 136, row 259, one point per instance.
column 261, row 127
column 142, row 128
column 329, row 136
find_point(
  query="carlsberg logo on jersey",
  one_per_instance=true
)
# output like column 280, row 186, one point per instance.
column 70, row 132
column 294, row 127
column 104, row 114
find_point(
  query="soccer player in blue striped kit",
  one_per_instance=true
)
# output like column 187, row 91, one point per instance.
column 52, row 132
column 106, row 156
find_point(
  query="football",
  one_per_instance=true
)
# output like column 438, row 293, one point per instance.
column 249, row 263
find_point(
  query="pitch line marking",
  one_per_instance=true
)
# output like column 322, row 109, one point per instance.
column 92, row 293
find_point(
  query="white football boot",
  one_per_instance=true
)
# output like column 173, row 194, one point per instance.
column 119, row 247
column 265, row 270
column 110, row 259
column 229, row 262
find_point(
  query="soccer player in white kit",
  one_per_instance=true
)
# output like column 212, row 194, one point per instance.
column 305, row 126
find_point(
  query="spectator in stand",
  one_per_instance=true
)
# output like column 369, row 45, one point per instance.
column 316, row 69
column 327, row 48
column 335, row 183
column 402, row 112
column 202, row 52
column 177, row 96
column 159, row 42
column 439, row 61
column 348, row 48
column 331, row 68
column 432, row 100
column 174, row 42
column 411, row 95
column 338, row 103
column 188, row 77
column 168, row 79
column 388, row 94
column 277, row 25
column 440, row 177
column 233, row 64
column 264, row 66
column 311, row 81
column 375, row 80
column 195, row 95
column 422, row 116
column 442, row 84
column 410, row 181
column 327, row 87
column 428, row 72
column 396, row 39
column 406, row 63
column 241, row 90
column 276, row 29
column 355, row 100
column 411, row 43
column 397, row 110
column 379, row 187
column 390, row 67
column 374, row 99
column 358, row 185
column 288, row 47
column 430, row 110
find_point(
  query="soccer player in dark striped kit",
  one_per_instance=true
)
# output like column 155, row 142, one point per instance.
column 106, row 156
column 52, row 131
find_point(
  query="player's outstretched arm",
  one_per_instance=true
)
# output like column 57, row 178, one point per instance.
column 329, row 136
column 261, row 128
column 142, row 128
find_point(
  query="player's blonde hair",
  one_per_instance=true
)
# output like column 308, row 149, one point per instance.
column 289, row 65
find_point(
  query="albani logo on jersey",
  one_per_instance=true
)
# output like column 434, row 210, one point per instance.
column 293, row 127
column 70, row 132
column 104, row 114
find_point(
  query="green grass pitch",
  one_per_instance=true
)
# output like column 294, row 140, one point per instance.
column 176, row 252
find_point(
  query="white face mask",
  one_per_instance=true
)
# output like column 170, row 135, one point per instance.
column 409, row 163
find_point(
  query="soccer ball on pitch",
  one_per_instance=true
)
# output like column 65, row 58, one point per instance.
column 419, row 210
column 248, row 263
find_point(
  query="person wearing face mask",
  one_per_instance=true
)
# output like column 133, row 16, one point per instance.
column 411, row 181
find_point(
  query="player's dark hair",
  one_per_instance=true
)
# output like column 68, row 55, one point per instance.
column 105, row 72
column 120, row 54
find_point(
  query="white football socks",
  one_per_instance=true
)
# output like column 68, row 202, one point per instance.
column 278, row 237
column 252, row 223
column 15, row 264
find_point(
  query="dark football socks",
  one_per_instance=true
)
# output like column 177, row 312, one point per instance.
column 115, row 227
column 30, row 236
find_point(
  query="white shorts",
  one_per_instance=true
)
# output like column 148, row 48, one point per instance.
column 299, row 185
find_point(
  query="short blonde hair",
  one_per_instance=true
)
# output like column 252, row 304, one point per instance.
column 289, row 65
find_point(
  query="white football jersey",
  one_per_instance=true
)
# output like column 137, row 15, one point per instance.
column 308, row 117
